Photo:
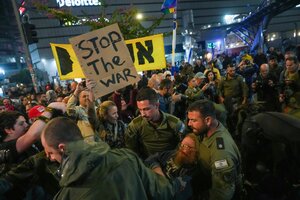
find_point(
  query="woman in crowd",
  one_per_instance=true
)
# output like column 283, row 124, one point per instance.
column 106, row 124
column 211, row 87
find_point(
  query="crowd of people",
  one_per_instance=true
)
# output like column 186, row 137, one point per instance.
column 169, row 136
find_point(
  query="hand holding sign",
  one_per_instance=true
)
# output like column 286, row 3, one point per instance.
column 90, row 84
column 105, row 58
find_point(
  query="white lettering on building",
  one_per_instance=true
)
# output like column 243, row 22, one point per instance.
column 71, row 3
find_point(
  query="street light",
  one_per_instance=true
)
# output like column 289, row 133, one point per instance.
column 139, row 16
column 2, row 71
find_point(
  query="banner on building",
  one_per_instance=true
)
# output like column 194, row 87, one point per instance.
column 104, row 57
column 147, row 53
column 67, row 64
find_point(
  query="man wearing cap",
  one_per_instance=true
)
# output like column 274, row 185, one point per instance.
column 167, row 75
column 196, row 88
column 17, row 143
column 35, row 112
column 199, row 78
column 14, row 135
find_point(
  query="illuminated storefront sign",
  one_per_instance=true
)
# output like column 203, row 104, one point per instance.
column 71, row 3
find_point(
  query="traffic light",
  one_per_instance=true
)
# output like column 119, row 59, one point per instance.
column 30, row 33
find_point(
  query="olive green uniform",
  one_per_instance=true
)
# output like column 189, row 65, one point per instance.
column 145, row 139
column 291, row 92
column 233, row 87
column 35, row 170
column 221, row 162
column 90, row 172
column 193, row 94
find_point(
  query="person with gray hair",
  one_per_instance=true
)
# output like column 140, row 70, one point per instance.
column 83, row 95
column 264, row 89
column 51, row 96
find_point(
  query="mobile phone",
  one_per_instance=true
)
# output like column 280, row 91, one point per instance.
column 83, row 84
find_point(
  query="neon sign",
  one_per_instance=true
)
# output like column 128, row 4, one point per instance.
column 71, row 3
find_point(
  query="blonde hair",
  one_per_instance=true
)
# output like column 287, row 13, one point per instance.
column 103, row 109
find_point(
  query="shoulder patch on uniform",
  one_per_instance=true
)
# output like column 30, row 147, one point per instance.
column 172, row 118
column 220, row 164
column 182, row 128
column 220, row 143
column 173, row 121
column 137, row 119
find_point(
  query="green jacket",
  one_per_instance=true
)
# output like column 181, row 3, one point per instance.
column 221, row 160
column 235, row 87
column 94, row 171
column 36, row 170
column 193, row 94
column 146, row 140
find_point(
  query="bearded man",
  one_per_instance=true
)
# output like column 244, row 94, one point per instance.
column 181, row 162
column 177, row 162
column 220, row 157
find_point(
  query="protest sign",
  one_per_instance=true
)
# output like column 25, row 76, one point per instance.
column 68, row 66
column 104, row 57
column 147, row 53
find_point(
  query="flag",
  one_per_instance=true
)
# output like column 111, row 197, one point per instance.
column 169, row 6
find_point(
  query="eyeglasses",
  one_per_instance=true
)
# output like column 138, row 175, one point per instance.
column 185, row 146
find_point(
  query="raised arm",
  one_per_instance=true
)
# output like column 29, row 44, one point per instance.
column 35, row 130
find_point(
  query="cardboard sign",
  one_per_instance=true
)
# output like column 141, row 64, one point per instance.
column 68, row 66
column 104, row 58
column 147, row 53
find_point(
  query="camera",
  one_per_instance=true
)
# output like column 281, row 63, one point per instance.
column 83, row 84
column 177, row 91
column 261, row 83
column 247, row 62
column 5, row 156
column 184, row 97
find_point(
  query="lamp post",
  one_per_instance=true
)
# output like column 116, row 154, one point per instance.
column 27, row 53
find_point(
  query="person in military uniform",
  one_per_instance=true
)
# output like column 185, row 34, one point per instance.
column 194, row 91
column 153, row 131
column 94, row 171
column 290, row 82
column 233, row 92
column 36, row 176
column 219, row 155
column 233, row 87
